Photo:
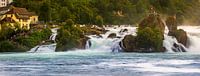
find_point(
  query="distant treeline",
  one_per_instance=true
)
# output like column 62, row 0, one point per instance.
column 111, row 11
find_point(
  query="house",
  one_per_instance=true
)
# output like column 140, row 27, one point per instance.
column 21, row 16
column 4, row 3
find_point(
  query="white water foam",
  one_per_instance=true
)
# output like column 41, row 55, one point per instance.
column 193, row 33
column 110, row 44
column 155, row 66
column 47, row 48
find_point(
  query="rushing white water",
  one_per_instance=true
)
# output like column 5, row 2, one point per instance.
column 94, row 61
column 169, row 42
column 54, row 34
column 110, row 44
column 103, row 43
column 47, row 48
column 193, row 33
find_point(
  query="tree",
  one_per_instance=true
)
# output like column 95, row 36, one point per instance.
column 45, row 11
column 99, row 21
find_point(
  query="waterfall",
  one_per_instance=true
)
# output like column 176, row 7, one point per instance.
column 47, row 48
column 171, row 44
column 54, row 34
column 104, row 43
column 193, row 33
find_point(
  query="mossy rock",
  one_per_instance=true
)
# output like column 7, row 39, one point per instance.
column 171, row 23
column 149, row 40
column 70, row 38
column 152, row 21
column 128, row 44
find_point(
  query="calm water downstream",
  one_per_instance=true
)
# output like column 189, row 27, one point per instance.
column 96, row 63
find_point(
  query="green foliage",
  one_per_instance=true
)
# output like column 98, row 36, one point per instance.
column 99, row 21
column 6, row 32
column 132, row 11
column 68, row 36
column 35, row 38
column 10, row 46
column 149, row 38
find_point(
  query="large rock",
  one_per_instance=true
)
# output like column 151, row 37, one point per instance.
column 128, row 44
column 149, row 36
column 171, row 23
column 83, row 42
column 181, row 36
column 153, row 21
column 112, row 35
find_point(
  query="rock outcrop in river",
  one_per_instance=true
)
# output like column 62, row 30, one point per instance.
column 149, row 36
column 180, row 34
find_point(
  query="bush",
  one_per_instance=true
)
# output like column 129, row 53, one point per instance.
column 99, row 21
column 34, row 38
column 68, row 37
column 10, row 46
column 149, row 38
column 6, row 32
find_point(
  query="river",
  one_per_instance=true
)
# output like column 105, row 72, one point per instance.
column 103, row 58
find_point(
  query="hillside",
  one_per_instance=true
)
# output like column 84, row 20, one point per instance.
column 111, row 11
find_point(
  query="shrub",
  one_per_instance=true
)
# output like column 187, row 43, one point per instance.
column 10, row 46
column 149, row 38
column 68, row 37
column 34, row 38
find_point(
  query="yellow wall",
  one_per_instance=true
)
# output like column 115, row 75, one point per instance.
column 23, row 23
column 34, row 19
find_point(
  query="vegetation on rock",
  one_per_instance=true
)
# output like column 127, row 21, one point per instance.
column 70, row 37
column 149, row 36
column 149, row 40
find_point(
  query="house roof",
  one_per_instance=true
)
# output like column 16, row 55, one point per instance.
column 21, row 13
column 17, row 10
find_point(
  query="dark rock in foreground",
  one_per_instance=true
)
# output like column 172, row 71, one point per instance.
column 128, row 44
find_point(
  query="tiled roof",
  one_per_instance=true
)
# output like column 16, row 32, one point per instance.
column 16, row 10
column 21, row 13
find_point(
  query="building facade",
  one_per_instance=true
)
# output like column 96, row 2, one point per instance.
column 20, row 16
column 4, row 3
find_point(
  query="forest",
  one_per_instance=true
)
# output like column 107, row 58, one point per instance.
column 115, row 12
